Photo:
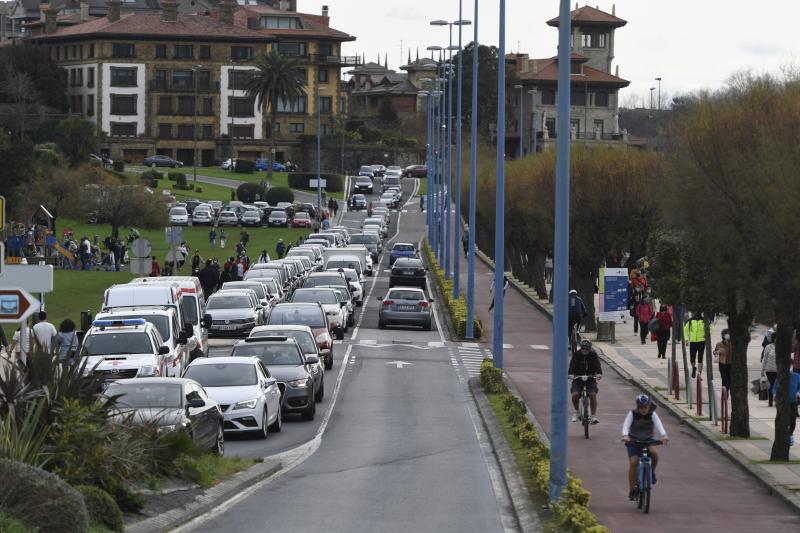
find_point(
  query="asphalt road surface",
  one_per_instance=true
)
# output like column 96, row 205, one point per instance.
column 395, row 446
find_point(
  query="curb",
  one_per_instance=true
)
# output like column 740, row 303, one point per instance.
column 210, row 499
column 767, row 480
column 527, row 518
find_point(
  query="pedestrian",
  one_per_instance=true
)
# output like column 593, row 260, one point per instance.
column 637, row 290
column 369, row 209
column 694, row 332
column 244, row 237
column 212, row 238
column 722, row 352
column 769, row 367
column 222, row 238
column 576, row 311
column 793, row 397
column 20, row 346
column 422, row 203
column 264, row 257
column 465, row 241
column 548, row 270
column 664, row 331
column 155, row 268
column 183, row 253
column 491, row 291
column 44, row 331
column 67, row 339
column 169, row 267
column 280, row 248
column 196, row 262
column 239, row 269
column 644, row 314
column 330, row 205
column 239, row 248
column 795, row 353
column 208, row 278
column 335, row 207
column 225, row 276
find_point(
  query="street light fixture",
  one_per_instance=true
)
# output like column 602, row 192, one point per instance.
column 521, row 122
column 659, row 92
column 194, row 129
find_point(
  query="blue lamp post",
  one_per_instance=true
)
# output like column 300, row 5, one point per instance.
column 473, row 181
column 442, row 160
column 319, row 157
column 434, row 179
column 499, row 222
column 457, row 237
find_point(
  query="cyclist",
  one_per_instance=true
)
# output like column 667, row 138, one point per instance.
column 577, row 311
column 585, row 362
column 640, row 426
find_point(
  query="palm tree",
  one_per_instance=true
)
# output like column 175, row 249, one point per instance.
column 275, row 79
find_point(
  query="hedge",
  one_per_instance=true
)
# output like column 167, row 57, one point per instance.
column 249, row 192
column 300, row 180
column 572, row 510
column 103, row 510
column 244, row 166
column 457, row 308
column 279, row 194
column 119, row 166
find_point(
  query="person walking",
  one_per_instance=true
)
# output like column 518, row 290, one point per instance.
column 196, row 262
column 637, row 290
column 222, row 237
column 264, row 257
column 795, row 354
column 793, row 397
column 694, row 332
column 644, row 314
column 664, row 330
column 67, row 339
column 335, row 207
column 20, row 347
column 722, row 352
column 330, row 205
column 769, row 367
column 44, row 332
column 244, row 237
column 465, row 241
column 280, row 248
column 208, row 278
column 548, row 270
column 491, row 291
column 422, row 203
column 183, row 253
column 212, row 238
column 155, row 268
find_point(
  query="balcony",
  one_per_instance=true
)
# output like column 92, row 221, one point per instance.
column 164, row 87
column 342, row 61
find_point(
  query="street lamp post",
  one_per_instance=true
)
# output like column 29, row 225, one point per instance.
column 232, row 82
column 449, row 187
column 651, row 97
column 532, row 92
column 473, row 165
column 499, row 222
column 521, row 127
column 317, row 89
column 194, row 132
column 433, row 178
column 457, row 238
column 659, row 92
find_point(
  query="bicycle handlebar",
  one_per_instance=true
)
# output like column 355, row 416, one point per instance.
column 644, row 443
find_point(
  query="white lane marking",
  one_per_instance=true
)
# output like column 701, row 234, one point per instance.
column 508, row 346
column 290, row 458
column 540, row 347
column 434, row 344
column 399, row 364
column 470, row 345
column 368, row 341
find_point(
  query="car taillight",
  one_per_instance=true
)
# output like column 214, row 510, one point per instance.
column 423, row 304
column 387, row 303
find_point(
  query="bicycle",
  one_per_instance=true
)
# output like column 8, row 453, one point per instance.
column 575, row 337
column 583, row 405
column 644, row 485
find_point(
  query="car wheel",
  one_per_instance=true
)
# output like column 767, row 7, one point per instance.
column 311, row 410
column 219, row 445
column 329, row 361
column 321, row 392
column 360, row 303
column 176, row 166
column 381, row 324
column 340, row 334
column 428, row 326
column 263, row 433
column 278, row 424
column 351, row 320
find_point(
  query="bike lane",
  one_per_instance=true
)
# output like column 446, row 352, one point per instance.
column 698, row 490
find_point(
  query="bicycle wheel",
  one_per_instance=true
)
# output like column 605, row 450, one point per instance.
column 585, row 414
column 646, row 491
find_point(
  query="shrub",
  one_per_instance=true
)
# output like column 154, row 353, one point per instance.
column 172, row 176
column 119, row 166
column 149, row 175
column 198, row 189
column 457, row 308
column 103, row 510
column 128, row 501
column 178, row 177
column 244, row 166
column 12, row 525
column 40, row 499
column 279, row 194
column 153, row 184
column 247, row 192
column 492, row 378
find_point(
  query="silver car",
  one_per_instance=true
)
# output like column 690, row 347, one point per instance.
column 405, row 306
column 234, row 312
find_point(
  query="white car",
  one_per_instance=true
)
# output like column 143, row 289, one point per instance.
column 248, row 396
column 119, row 349
column 202, row 215
column 178, row 216
column 227, row 218
column 356, row 288
column 228, row 163
column 326, row 297
column 389, row 199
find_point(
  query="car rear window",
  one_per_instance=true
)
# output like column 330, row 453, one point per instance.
column 306, row 341
column 323, row 296
column 396, row 294
column 223, row 374
column 270, row 354
column 316, row 281
column 408, row 262
column 147, row 395
column 228, row 301
column 304, row 315
column 403, row 247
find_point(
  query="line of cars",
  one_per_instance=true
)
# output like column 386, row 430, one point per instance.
column 235, row 213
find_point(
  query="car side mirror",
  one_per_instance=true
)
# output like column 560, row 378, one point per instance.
column 341, row 304
column 380, row 298
column 196, row 402
column 163, row 350
column 312, row 359
column 264, row 303
column 206, row 321
column 430, row 300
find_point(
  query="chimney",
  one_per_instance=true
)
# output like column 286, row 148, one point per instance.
column 617, row 72
column 43, row 7
column 283, row 5
column 50, row 25
column 226, row 12
column 535, row 66
column 113, row 10
column 614, row 9
column 84, row 10
column 169, row 11
column 324, row 11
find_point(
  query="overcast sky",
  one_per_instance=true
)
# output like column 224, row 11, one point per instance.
column 691, row 44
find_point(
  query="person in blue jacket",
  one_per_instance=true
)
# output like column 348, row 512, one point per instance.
column 794, row 392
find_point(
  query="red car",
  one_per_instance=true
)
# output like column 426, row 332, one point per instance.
column 301, row 220
column 415, row 171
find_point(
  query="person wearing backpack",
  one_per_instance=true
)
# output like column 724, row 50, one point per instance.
column 644, row 314
column 637, row 292
column 664, row 330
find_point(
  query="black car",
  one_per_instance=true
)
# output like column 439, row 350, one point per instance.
column 363, row 184
column 407, row 271
column 162, row 161
column 191, row 204
column 171, row 404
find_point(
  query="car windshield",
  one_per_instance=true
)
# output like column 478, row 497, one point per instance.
column 365, row 169
column 177, row 211
column 405, row 295
column 297, row 315
column 117, row 343
column 365, row 180
column 223, row 374
column 362, row 238
column 147, row 395
column 277, row 214
column 317, row 281
column 407, row 262
column 323, row 296
column 228, row 301
column 403, row 248
column 189, row 307
column 257, row 287
column 253, row 214
column 270, row 354
column 161, row 322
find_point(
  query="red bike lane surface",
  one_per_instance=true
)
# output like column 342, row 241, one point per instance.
column 698, row 489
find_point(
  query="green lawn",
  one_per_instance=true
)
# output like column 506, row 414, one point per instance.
column 423, row 186
column 208, row 191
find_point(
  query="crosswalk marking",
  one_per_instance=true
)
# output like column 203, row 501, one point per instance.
column 436, row 344
column 540, row 347
column 368, row 342
column 470, row 345
column 508, row 346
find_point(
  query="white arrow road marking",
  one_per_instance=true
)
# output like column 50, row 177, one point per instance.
column 399, row 364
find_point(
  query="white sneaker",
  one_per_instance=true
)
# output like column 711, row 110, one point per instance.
column 594, row 420
column 575, row 416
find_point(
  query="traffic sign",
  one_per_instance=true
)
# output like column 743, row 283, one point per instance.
column 16, row 305
column 2, row 212
column 174, row 235
column 141, row 247
column 33, row 278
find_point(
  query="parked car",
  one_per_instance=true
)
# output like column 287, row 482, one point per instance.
column 301, row 220
column 287, row 363
column 305, row 339
column 407, row 271
column 415, row 171
column 227, row 218
column 106, row 162
column 233, row 312
column 278, row 218
column 405, row 306
column 178, row 216
column 228, row 164
column 363, row 184
column 251, row 218
column 202, row 215
column 401, row 249
column 306, row 314
column 173, row 405
column 261, row 164
column 191, row 204
column 161, row 161
column 248, row 395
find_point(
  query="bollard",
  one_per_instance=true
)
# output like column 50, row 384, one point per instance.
column 724, row 410
column 699, row 397
column 676, row 381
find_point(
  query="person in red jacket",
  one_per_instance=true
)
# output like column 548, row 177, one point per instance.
column 644, row 313
column 664, row 317
column 155, row 268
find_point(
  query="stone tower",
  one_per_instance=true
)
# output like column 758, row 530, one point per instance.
column 593, row 35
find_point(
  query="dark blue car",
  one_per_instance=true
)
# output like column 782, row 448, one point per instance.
column 401, row 249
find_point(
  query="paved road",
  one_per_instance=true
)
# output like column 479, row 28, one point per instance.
column 401, row 452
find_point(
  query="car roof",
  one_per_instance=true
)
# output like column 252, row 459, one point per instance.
column 159, row 380
column 139, row 310
column 237, row 360
column 233, row 291
column 292, row 327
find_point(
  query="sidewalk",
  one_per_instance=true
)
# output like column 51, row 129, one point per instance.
column 699, row 488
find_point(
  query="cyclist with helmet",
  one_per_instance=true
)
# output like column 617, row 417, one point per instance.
column 585, row 362
column 577, row 310
column 639, row 427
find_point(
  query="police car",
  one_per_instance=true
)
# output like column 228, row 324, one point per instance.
column 126, row 348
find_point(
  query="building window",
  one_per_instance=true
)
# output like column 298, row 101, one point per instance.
column 74, row 51
column 123, row 129
column 90, row 77
column 91, row 49
column 325, row 49
column 276, row 128
column 161, row 51
column 241, row 52
column 297, row 127
column 575, row 68
column 601, row 99
column 301, row 75
column 160, row 80
column 205, row 51
column 165, row 131
column 282, row 23
column 242, row 107
column 208, row 131
column 297, row 105
column 548, row 98
column 578, row 98
column 185, row 131
column 598, row 127
column 292, row 49
column 80, row 51
column 323, row 75
column 243, row 132
column 186, row 105
column 204, row 80
column 325, row 130
column 325, row 104
column 123, row 50
column 89, row 105
column 341, row 104
column 238, row 79
column 183, row 51
column 550, row 125
column 123, row 77
column 182, row 79
column 123, row 104
column 207, row 106
column 575, row 125
column 164, row 105
column 593, row 40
